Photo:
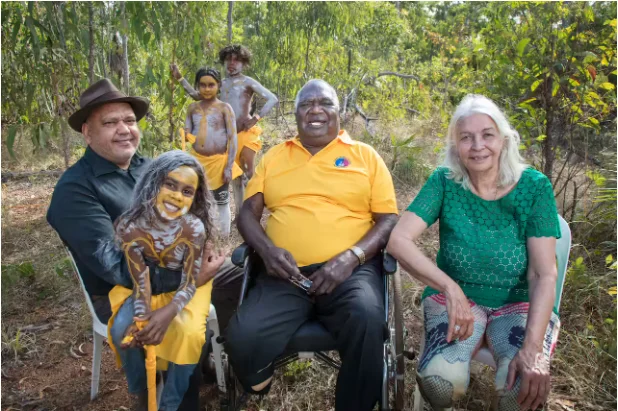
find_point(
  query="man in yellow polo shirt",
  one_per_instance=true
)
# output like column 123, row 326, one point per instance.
column 332, row 207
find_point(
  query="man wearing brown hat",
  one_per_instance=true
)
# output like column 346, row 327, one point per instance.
column 93, row 192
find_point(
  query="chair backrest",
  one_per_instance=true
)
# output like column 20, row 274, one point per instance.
column 563, row 249
column 98, row 326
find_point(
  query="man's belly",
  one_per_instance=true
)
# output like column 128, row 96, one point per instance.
column 315, row 237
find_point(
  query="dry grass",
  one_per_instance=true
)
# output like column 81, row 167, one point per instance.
column 38, row 371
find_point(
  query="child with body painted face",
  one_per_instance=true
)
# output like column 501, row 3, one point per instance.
column 211, row 127
column 239, row 91
column 170, row 218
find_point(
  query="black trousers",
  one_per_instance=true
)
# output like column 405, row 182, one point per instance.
column 353, row 313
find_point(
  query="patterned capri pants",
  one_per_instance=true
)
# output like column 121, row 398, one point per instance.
column 444, row 368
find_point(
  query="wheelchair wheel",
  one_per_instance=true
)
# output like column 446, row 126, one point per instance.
column 235, row 396
column 400, row 369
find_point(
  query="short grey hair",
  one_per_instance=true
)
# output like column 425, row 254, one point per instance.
column 313, row 81
column 511, row 162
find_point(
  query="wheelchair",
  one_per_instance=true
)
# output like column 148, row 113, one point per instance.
column 312, row 340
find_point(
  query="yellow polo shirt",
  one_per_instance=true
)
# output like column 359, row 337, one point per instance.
column 322, row 205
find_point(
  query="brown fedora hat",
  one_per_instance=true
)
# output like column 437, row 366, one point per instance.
column 103, row 92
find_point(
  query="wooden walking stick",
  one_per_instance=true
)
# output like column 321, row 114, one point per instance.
column 151, row 371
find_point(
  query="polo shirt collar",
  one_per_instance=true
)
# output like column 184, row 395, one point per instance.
column 101, row 166
column 343, row 136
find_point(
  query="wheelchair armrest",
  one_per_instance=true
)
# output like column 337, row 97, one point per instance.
column 389, row 263
column 240, row 254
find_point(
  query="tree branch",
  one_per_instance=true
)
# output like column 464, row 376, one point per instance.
column 392, row 73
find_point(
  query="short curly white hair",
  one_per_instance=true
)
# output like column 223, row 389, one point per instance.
column 511, row 162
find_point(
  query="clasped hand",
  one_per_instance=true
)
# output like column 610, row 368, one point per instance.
column 280, row 263
column 158, row 322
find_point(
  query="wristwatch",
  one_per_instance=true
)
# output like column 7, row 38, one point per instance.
column 257, row 116
column 360, row 254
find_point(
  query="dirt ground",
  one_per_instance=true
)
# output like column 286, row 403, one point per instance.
column 47, row 340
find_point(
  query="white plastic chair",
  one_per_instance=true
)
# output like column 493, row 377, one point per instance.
column 99, row 332
column 563, row 249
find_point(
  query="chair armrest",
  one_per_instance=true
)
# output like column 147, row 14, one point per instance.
column 240, row 254
column 389, row 263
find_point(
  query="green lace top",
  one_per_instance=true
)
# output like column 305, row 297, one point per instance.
column 483, row 243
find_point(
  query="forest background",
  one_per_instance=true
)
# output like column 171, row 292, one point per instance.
column 399, row 69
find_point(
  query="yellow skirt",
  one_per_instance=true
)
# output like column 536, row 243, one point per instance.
column 186, row 335
column 250, row 139
column 214, row 166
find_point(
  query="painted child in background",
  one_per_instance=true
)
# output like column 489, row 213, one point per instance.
column 170, row 218
column 211, row 127
column 238, row 91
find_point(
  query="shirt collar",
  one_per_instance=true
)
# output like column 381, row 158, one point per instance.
column 343, row 136
column 102, row 166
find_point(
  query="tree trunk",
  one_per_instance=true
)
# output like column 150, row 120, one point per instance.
column 349, row 61
column 551, row 123
column 125, row 52
column 91, row 35
column 172, row 87
column 66, row 142
column 230, row 5
column 309, row 33
column 59, row 86
column 125, row 71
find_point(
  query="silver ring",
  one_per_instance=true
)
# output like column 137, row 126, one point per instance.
column 457, row 328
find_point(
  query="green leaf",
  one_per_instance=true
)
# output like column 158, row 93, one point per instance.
column 594, row 95
column 609, row 259
column 606, row 86
column 535, row 85
column 555, row 88
column 10, row 140
column 34, row 36
column 579, row 261
column 541, row 137
column 589, row 14
column 594, row 121
column 573, row 82
column 16, row 26
column 589, row 57
column 527, row 101
column 521, row 46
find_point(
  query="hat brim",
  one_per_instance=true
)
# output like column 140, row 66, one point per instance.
column 140, row 108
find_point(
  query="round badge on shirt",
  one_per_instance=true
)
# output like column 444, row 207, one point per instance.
column 342, row 162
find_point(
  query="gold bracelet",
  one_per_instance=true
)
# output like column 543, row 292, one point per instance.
column 360, row 254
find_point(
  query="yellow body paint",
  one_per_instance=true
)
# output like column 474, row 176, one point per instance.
column 176, row 195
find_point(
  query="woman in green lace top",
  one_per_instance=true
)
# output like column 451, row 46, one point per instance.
column 494, row 279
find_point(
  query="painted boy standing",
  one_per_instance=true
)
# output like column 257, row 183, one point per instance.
column 238, row 90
